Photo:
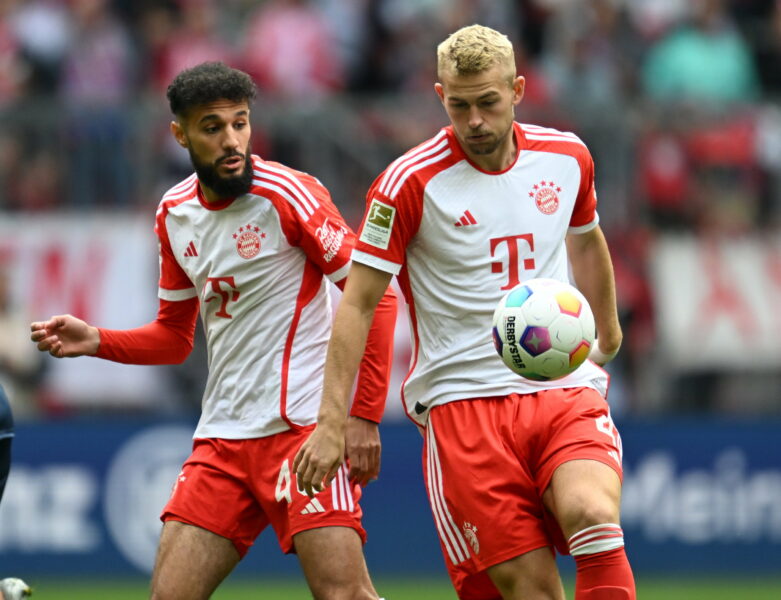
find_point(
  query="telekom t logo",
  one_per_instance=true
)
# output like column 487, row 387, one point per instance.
column 524, row 240
column 231, row 294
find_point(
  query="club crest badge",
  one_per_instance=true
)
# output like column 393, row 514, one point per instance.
column 546, row 196
column 248, row 241
column 470, row 533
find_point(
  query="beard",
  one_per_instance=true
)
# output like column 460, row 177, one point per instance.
column 490, row 146
column 224, row 187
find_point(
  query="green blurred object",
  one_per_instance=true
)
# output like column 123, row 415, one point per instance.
column 648, row 588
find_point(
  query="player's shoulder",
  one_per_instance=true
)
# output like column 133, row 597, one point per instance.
column 185, row 190
column 295, row 188
column 418, row 164
column 548, row 139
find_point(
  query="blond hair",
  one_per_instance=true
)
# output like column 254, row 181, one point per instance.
column 475, row 49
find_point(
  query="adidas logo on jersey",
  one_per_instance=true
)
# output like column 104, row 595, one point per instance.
column 191, row 251
column 466, row 220
column 313, row 507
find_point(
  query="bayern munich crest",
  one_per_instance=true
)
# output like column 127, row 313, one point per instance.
column 546, row 196
column 248, row 241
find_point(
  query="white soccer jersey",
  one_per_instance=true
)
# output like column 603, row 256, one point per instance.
column 256, row 263
column 459, row 237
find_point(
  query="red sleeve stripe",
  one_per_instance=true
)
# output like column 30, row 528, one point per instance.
column 265, row 170
column 398, row 169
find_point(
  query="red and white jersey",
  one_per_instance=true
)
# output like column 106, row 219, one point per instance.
column 459, row 237
column 256, row 263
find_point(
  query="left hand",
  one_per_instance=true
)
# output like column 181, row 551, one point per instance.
column 363, row 448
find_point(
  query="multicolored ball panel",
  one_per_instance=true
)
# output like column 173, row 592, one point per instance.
column 568, row 303
column 518, row 296
column 535, row 340
column 579, row 354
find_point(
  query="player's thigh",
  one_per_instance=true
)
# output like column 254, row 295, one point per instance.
column 333, row 563
column 583, row 493
column 531, row 575
column 191, row 562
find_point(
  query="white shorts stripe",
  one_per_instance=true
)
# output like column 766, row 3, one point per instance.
column 297, row 186
column 430, row 147
column 435, row 509
column 452, row 539
column 274, row 188
column 335, row 493
column 417, row 167
column 348, row 491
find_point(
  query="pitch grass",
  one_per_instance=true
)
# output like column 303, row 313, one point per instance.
column 714, row 588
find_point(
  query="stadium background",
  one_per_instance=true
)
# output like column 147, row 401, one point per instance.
column 679, row 103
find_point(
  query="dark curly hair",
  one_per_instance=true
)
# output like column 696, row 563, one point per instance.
column 208, row 82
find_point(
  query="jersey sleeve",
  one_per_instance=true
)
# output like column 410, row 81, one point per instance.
column 174, row 284
column 373, row 382
column 388, row 225
column 584, row 214
column 321, row 232
column 167, row 340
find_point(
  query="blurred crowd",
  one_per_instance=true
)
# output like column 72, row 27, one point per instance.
column 678, row 101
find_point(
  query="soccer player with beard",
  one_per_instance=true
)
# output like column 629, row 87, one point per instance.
column 249, row 243
column 513, row 467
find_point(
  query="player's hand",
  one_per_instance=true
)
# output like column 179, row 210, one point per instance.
column 65, row 336
column 362, row 441
column 318, row 459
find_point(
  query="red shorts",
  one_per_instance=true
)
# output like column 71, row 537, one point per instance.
column 487, row 462
column 235, row 488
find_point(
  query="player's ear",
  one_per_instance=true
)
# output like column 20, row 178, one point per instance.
column 440, row 91
column 519, row 85
column 178, row 132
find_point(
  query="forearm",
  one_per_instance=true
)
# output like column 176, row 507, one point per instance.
column 592, row 270
column 345, row 349
column 167, row 340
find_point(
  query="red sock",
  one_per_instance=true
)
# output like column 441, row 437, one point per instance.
column 604, row 576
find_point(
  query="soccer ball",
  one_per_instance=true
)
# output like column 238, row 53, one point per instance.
column 543, row 329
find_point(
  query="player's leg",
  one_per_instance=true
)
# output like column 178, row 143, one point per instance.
column 545, row 583
column 333, row 564
column 210, row 522
column 485, row 503
column 325, row 530
column 584, row 495
column 191, row 562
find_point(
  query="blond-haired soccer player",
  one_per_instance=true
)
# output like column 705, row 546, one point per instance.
column 249, row 243
column 514, row 468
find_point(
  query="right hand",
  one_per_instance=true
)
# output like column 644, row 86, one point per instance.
column 65, row 336
column 318, row 459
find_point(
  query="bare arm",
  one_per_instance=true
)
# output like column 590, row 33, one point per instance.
column 592, row 270
column 321, row 455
